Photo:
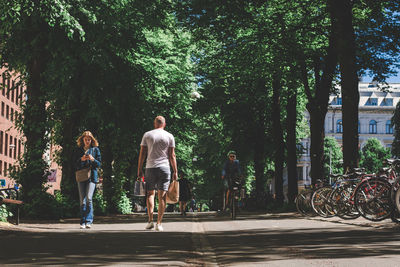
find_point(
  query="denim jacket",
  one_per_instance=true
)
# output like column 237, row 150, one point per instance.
column 231, row 169
column 94, row 165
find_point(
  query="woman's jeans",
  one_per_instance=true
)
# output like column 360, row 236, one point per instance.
column 86, row 190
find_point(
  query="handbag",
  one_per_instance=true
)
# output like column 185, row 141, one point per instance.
column 173, row 192
column 82, row 175
column 140, row 189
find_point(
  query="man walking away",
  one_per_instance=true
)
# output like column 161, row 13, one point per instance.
column 158, row 146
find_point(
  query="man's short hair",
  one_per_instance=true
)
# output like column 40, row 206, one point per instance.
column 160, row 120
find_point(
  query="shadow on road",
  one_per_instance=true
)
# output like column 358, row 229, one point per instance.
column 266, row 245
column 177, row 248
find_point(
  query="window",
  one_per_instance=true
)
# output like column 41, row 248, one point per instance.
column 8, row 88
column 2, row 108
column 339, row 126
column 359, row 127
column 5, row 168
column 300, row 148
column 372, row 127
column 339, row 101
column 19, row 148
column 6, row 144
column 12, row 114
column 300, row 173
column 1, row 166
column 1, row 142
column 16, row 94
column 4, row 84
column 7, row 112
column 12, row 91
column 10, row 147
column 389, row 127
column 15, row 148
column 387, row 102
column 372, row 102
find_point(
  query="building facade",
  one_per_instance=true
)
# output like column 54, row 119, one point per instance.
column 376, row 108
column 12, row 94
column 11, row 140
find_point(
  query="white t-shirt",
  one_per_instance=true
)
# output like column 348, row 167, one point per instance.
column 158, row 142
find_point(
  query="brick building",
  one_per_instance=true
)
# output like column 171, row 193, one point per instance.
column 11, row 140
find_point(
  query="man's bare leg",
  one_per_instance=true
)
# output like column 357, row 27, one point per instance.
column 161, row 205
column 150, row 204
column 227, row 198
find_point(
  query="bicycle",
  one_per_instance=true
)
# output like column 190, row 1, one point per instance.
column 234, row 196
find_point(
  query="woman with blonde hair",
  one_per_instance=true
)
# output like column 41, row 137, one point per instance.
column 89, row 157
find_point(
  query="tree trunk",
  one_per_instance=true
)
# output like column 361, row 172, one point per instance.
column 291, row 147
column 34, row 128
column 317, row 119
column 342, row 11
column 108, row 187
column 318, row 102
column 259, row 166
column 259, row 143
column 278, row 139
column 70, row 131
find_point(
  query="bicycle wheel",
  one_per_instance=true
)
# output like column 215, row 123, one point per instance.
column 345, row 205
column 319, row 200
column 303, row 203
column 396, row 201
column 372, row 199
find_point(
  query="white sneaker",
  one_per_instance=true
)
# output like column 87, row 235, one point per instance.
column 89, row 225
column 82, row 226
column 159, row 227
column 149, row 226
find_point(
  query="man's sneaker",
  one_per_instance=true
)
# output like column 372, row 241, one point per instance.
column 159, row 228
column 82, row 226
column 88, row 225
column 149, row 226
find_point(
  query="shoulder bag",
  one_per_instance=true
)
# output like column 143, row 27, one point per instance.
column 82, row 175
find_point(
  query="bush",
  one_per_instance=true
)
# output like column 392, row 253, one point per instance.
column 68, row 207
column 99, row 203
column 4, row 213
column 124, row 204
column 42, row 206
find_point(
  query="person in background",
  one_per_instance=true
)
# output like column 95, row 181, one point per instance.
column 230, row 172
column 89, row 156
column 185, row 194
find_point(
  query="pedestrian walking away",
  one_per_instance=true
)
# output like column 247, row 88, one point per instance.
column 89, row 157
column 158, row 148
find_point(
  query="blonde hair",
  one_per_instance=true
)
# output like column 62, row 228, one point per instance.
column 80, row 143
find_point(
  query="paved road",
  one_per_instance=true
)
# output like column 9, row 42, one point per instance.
column 205, row 239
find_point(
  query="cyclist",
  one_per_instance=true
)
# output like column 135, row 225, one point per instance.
column 230, row 172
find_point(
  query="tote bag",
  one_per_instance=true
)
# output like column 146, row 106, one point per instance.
column 173, row 192
column 82, row 175
column 140, row 189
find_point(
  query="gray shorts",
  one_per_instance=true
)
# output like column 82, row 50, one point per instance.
column 157, row 178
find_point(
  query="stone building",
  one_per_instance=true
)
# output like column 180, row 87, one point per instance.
column 376, row 108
